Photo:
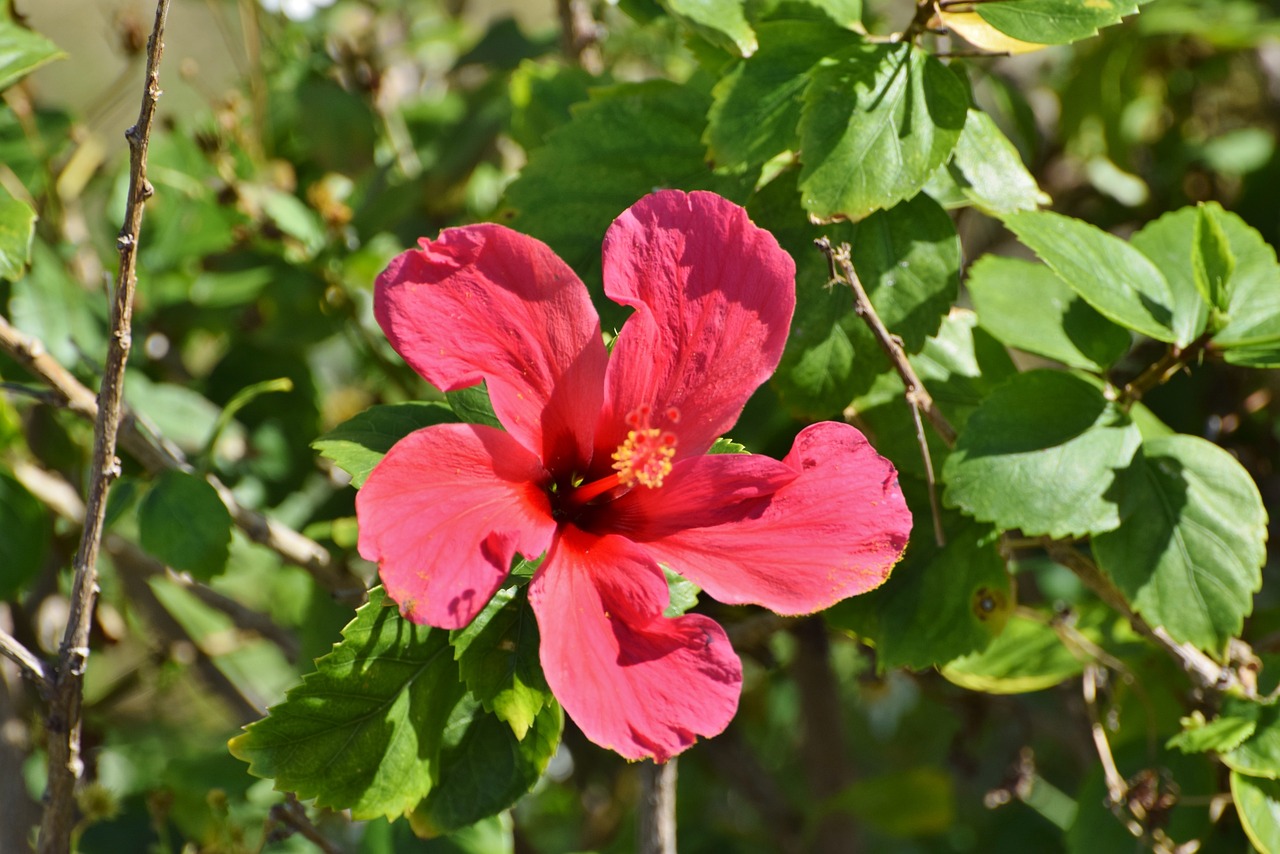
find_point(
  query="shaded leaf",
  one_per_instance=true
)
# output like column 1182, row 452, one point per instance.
column 1168, row 241
column 1259, row 755
column 1027, row 306
column 1258, row 805
column 1028, row 656
column 1191, row 541
column 723, row 21
column 1237, row 720
column 183, row 523
column 17, row 227
column 878, row 120
column 1041, row 455
column 357, row 445
column 27, row 527
column 497, row 657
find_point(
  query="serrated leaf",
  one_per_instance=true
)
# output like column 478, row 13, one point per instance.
column 1191, row 541
column 623, row 143
column 1041, row 455
column 1236, row 722
column 484, row 768
column 757, row 105
column 357, row 445
column 1053, row 21
column 21, row 52
column 1259, row 755
column 682, row 593
column 938, row 604
column 1027, row 656
column 17, row 227
column 995, row 178
column 725, row 445
column 497, row 657
column 1211, row 260
column 723, row 21
column 28, row 527
column 183, row 523
column 1258, row 806
column 1027, row 306
column 1109, row 274
column 878, row 120
column 977, row 32
column 846, row 13
column 365, row 730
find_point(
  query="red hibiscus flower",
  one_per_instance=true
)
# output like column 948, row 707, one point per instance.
column 603, row 464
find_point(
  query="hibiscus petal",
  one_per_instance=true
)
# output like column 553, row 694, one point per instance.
column 443, row 514
column 487, row 303
column 700, row 492
column 632, row 680
column 713, row 295
column 835, row 531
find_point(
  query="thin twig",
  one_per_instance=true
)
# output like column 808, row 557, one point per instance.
column 157, row 454
column 656, row 812
column 294, row 816
column 1116, row 786
column 32, row 667
column 63, row 718
column 840, row 264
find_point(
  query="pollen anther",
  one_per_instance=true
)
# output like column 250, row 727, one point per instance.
column 645, row 457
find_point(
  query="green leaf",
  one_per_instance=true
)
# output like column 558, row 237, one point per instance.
column 365, row 730
column 938, row 604
column 22, row 51
column 1236, row 722
column 1112, row 276
column 183, row 523
column 1211, row 258
column 915, row 802
column 484, row 768
column 878, row 120
column 28, row 530
column 497, row 657
column 846, row 13
column 682, row 593
column 541, row 97
column 723, row 22
column 357, row 445
column 1028, row 656
column 1053, row 21
column 758, row 103
column 995, row 178
column 725, row 445
column 1258, row 806
column 180, row 414
column 1251, row 334
column 1041, row 455
column 1191, row 542
column 50, row 305
column 1168, row 242
column 473, row 406
column 17, row 227
column 623, row 143
column 1259, row 755
column 1027, row 306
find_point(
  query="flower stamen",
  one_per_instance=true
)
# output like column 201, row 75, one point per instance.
column 645, row 457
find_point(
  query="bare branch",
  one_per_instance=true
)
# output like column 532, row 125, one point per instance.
column 32, row 667
column 63, row 719
column 157, row 454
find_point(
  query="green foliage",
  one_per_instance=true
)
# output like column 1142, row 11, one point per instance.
column 357, row 445
column 1041, row 428
column 1054, row 21
column 25, row 546
column 183, row 523
column 878, row 120
column 22, row 51
column 17, row 227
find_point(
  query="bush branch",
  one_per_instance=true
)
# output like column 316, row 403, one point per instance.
column 32, row 667
column 656, row 812
column 63, row 719
column 157, row 454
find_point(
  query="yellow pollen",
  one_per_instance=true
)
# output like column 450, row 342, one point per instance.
column 645, row 457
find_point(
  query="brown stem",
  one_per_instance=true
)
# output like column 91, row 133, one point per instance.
column 656, row 811
column 63, row 717
column 580, row 34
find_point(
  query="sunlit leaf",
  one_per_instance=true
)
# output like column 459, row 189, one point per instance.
column 995, row 178
column 22, row 51
column 1258, row 805
column 1028, row 656
column 17, row 227
column 1191, row 541
column 357, row 445
column 1053, row 21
